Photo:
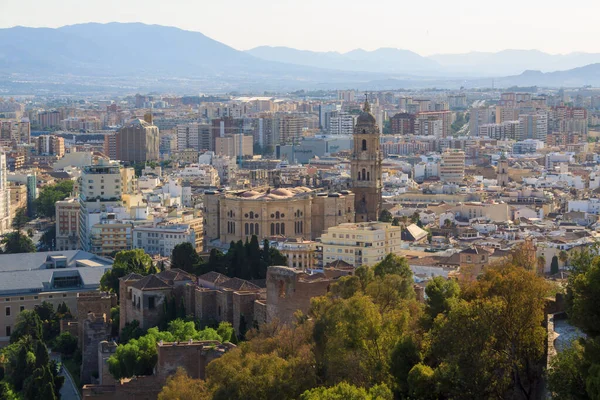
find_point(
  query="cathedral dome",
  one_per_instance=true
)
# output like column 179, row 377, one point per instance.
column 366, row 118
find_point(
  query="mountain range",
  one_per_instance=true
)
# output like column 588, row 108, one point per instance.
column 135, row 56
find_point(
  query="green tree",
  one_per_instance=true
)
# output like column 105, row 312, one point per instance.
column 440, row 294
column 20, row 220
column 346, row 391
column 554, row 265
column 585, row 289
column 567, row 377
column 48, row 238
column 66, row 344
column 185, row 257
column 139, row 356
column 421, row 382
column 16, row 242
column 49, row 195
column 385, row 216
column 126, row 262
column 393, row 264
column 28, row 324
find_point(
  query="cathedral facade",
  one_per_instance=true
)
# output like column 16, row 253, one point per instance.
column 366, row 167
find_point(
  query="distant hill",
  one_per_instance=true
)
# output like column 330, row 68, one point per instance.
column 117, row 48
column 576, row 77
column 510, row 62
column 384, row 60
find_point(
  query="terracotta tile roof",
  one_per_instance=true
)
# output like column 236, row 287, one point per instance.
column 151, row 282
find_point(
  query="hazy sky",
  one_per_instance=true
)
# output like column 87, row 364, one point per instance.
column 426, row 27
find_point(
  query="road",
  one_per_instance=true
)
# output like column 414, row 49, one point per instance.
column 68, row 390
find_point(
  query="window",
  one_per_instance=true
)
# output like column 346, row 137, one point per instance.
column 7, row 311
column 22, row 298
column 272, row 229
column 282, row 228
column 21, row 308
column 151, row 303
column 256, row 229
column 8, row 331
column 364, row 145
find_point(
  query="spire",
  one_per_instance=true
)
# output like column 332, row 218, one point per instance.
column 367, row 107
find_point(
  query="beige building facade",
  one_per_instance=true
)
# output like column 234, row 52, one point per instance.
column 364, row 243
column 297, row 212
column 452, row 166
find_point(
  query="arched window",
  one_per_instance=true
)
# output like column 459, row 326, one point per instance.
column 272, row 229
column 246, row 228
column 359, row 175
column 251, row 214
column 277, row 228
column 256, row 229
column 340, row 213
column 277, row 215
column 301, row 226
column 233, row 224
column 252, row 229
column 364, row 145
column 364, row 174
column 368, row 176
column 283, row 228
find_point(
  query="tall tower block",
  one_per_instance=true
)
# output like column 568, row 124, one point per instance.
column 366, row 167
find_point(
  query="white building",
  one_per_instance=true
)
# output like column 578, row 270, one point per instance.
column 4, row 197
column 162, row 239
column 341, row 123
column 364, row 243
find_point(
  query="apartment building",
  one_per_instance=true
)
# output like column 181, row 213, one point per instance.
column 67, row 224
column 452, row 166
column 100, row 190
column 50, row 145
column 237, row 145
column 364, row 243
column 138, row 141
column 161, row 239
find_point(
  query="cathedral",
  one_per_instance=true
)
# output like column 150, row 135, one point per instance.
column 366, row 167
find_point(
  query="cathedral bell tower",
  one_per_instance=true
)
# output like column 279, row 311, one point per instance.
column 366, row 167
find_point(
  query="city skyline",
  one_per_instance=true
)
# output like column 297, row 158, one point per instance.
column 445, row 29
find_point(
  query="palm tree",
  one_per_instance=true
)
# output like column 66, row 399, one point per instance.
column 563, row 257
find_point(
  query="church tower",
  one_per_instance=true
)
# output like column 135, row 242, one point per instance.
column 502, row 171
column 366, row 167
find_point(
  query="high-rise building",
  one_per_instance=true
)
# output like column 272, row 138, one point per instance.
column 287, row 129
column 452, row 166
column 49, row 119
column 4, row 197
column 503, row 131
column 67, row 224
column 110, row 145
column 15, row 131
column 403, row 124
column 366, row 167
column 51, row 145
column 341, row 123
column 237, row 145
column 138, row 141
column 195, row 136
column 533, row 126
column 100, row 189
column 479, row 116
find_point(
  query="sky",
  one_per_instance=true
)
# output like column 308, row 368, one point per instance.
column 425, row 27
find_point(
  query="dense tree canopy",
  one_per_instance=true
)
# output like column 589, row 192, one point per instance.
column 49, row 195
column 139, row 356
column 17, row 242
column 242, row 260
column 126, row 262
